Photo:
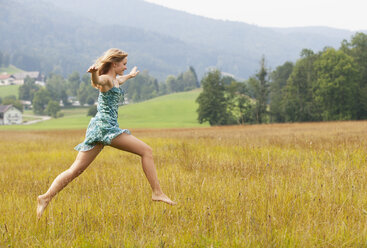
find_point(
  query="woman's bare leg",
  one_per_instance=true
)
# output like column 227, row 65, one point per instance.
column 131, row 144
column 82, row 161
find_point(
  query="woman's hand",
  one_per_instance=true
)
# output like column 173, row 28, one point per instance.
column 134, row 72
column 92, row 69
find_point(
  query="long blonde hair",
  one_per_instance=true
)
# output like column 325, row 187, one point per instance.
column 105, row 62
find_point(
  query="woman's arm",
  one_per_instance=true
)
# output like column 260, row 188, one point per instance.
column 122, row 79
column 96, row 80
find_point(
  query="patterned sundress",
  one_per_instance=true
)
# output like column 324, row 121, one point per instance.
column 103, row 128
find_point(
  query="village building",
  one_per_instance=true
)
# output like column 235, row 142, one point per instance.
column 10, row 115
column 6, row 79
column 20, row 76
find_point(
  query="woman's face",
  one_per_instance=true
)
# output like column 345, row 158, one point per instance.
column 120, row 67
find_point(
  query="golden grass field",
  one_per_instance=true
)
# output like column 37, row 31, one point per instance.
column 279, row 185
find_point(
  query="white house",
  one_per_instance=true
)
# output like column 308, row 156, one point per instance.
column 9, row 115
column 20, row 76
column 6, row 79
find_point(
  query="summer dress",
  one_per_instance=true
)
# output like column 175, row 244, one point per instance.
column 103, row 128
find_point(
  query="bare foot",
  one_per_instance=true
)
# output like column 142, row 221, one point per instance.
column 163, row 198
column 41, row 206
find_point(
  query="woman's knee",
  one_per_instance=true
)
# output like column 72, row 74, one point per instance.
column 147, row 151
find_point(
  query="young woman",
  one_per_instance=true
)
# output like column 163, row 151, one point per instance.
column 103, row 129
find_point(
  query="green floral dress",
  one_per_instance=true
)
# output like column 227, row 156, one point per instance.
column 103, row 128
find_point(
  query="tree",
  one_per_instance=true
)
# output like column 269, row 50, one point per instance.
column 171, row 84
column 11, row 100
column 260, row 88
column 40, row 101
column 52, row 108
column 86, row 93
column 193, row 72
column 278, row 81
column 56, row 86
column 298, row 95
column 337, row 85
column 188, row 80
column 212, row 102
column 73, row 83
column 142, row 87
column 239, row 104
column 357, row 49
column 83, row 93
column 185, row 81
column 27, row 90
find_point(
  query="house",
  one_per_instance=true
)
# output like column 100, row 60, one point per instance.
column 20, row 76
column 6, row 79
column 9, row 115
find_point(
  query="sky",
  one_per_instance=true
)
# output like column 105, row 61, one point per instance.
column 343, row 14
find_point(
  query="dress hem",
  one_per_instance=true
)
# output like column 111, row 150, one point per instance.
column 83, row 147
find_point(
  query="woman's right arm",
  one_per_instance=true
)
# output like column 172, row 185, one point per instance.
column 96, row 80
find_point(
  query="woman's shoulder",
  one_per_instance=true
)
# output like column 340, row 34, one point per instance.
column 106, row 83
column 105, row 79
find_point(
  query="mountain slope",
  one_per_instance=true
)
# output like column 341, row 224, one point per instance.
column 66, row 35
column 46, row 38
column 237, row 46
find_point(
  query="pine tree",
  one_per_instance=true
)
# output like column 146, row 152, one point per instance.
column 259, row 85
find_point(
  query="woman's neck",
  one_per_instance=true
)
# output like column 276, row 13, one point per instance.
column 112, row 74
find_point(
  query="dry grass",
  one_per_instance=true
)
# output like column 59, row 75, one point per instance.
column 283, row 185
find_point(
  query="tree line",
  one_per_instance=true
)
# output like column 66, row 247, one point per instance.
column 324, row 86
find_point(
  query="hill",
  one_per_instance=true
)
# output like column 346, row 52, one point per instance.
column 176, row 110
column 66, row 35
column 11, row 69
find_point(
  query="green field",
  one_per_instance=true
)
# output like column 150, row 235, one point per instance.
column 170, row 111
column 9, row 90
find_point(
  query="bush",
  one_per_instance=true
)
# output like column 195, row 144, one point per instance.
column 52, row 108
column 92, row 111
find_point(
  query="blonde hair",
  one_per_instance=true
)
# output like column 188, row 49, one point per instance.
column 105, row 62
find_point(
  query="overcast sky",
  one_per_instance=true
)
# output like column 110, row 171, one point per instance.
column 345, row 14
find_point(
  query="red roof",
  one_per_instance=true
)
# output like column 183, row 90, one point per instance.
column 4, row 76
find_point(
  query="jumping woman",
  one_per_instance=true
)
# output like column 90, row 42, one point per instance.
column 103, row 129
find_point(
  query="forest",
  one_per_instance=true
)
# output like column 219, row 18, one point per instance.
column 319, row 86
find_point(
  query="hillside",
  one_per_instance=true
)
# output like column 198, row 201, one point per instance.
column 236, row 47
column 66, row 35
column 9, row 90
column 176, row 110
column 11, row 69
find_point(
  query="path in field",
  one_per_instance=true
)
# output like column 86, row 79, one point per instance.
column 41, row 118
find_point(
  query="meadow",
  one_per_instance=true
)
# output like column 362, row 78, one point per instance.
column 9, row 90
column 278, row 185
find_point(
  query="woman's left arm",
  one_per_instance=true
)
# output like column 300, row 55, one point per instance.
column 122, row 79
